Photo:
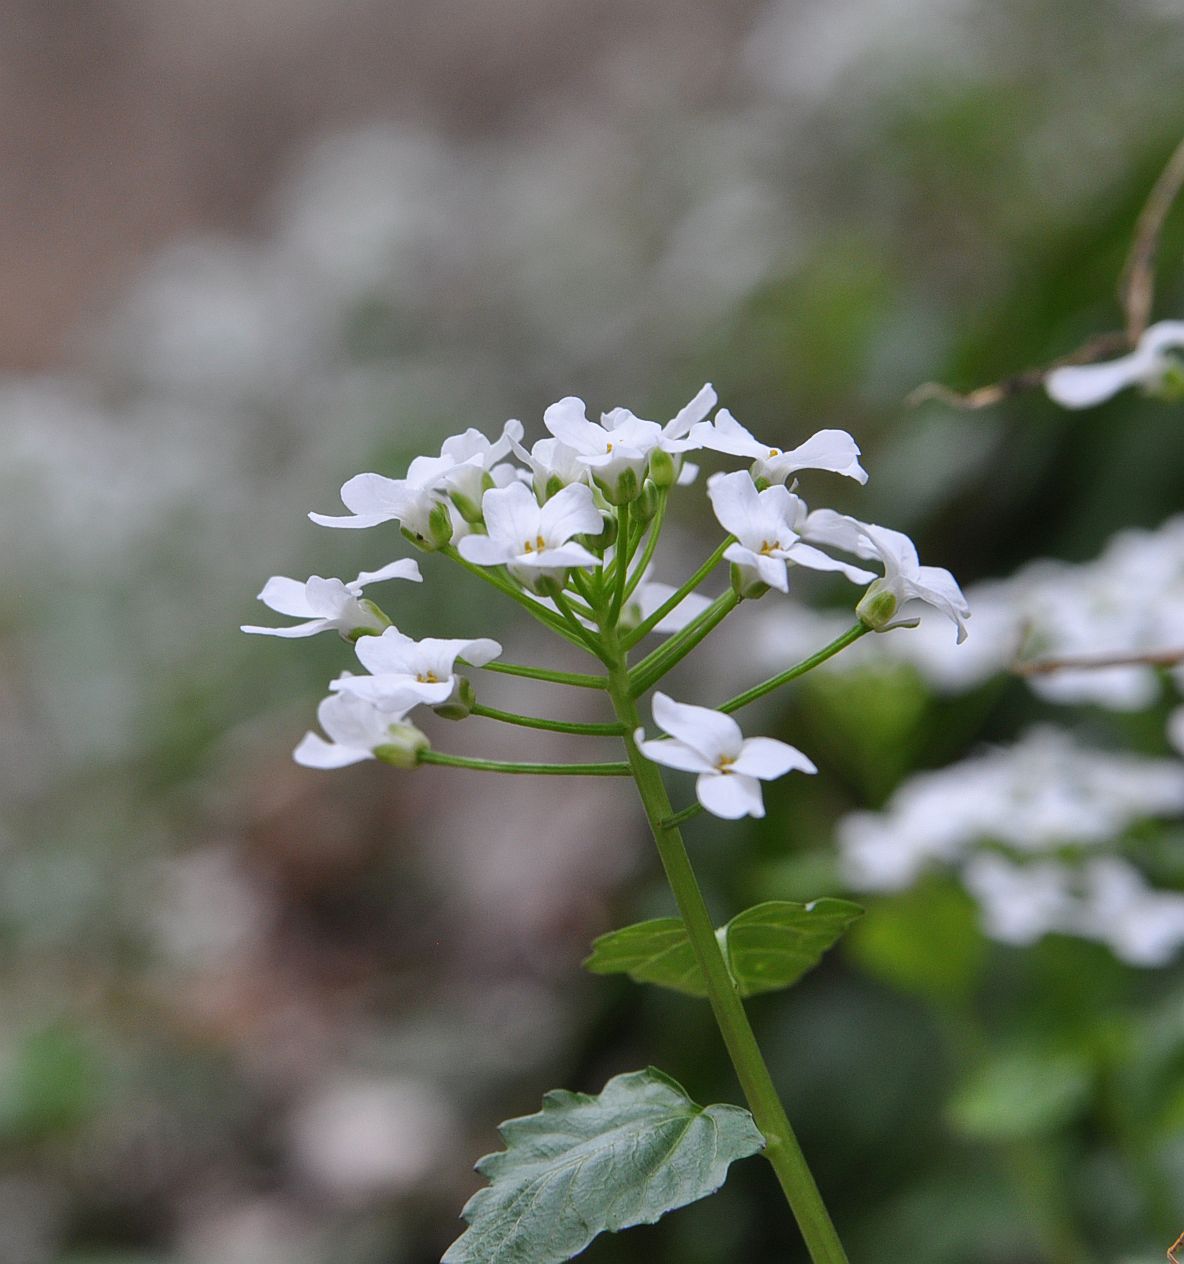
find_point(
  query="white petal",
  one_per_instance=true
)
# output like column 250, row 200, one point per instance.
column 807, row 555
column 736, row 504
column 311, row 628
column 1086, row 385
column 287, row 596
column 404, row 568
column 726, row 434
column 483, row 550
column 568, row 421
column 832, row 450
column 767, row 758
column 674, row 754
column 712, row 733
column 565, row 555
column 692, row 413
column 511, row 516
column 478, row 652
column 687, row 474
column 571, row 511
column 730, row 796
column 392, row 651
column 314, row 752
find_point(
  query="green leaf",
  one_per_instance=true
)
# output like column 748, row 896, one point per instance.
column 650, row 952
column 589, row 1165
column 766, row 947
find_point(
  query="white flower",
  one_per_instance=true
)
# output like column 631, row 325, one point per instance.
column 417, row 501
column 329, row 603
column 1084, row 385
column 904, row 578
column 357, row 729
column 552, row 465
column 617, row 451
column 405, row 672
column 764, row 526
column 730, row 766
column 832, row 450
column 535, row 541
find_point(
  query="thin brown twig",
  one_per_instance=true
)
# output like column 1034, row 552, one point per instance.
column 1087, row 662
column 1136, row 287
column 1136, row 293
column 1179, row 1242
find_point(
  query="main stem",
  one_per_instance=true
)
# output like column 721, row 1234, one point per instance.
column 781, row 1146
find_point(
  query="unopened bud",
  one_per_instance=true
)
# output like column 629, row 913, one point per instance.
column 662, row 469
column 648, row 501
column 460, row 705
column 402, row 751
column 746, row 584
column 877, row 606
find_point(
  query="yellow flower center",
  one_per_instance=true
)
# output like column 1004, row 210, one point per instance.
column 774, row 451
column 724, row 764
column 428, row 678
column 538, row 545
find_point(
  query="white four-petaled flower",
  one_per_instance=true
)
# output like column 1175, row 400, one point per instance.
column 765, row 525
column 832, row 450
column 405, row 672
column 535, row 541
column 1084, row 385
column 329, row 603
column 730, row 766
column 904, row 578
column 357, row 728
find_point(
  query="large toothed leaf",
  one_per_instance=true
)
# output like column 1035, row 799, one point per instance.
column 766, row 947
column 589, row 1165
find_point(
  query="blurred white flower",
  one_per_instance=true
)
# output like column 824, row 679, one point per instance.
column 730, row 766
column 1085, row 385
column 405, row 672
column 330, row 603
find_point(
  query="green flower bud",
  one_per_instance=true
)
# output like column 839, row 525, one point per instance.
column 460, row 705
column 745, row 585
column 439, row 526
column 648, row 501
column 662, row 469
column 402, row 751
column 877, row 606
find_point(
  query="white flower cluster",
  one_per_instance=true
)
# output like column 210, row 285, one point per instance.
column 1028, row 828
column 559, row 531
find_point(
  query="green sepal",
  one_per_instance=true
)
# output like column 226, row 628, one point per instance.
column 588, row 1165
column 469, row 509
column 381, row 615
column 662, row 469
column 626, row 488
column 767, row 947
column 460, row 705
column 742, row 586
column 403, row 750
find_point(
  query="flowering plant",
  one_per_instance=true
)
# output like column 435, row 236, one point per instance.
column 570, row 536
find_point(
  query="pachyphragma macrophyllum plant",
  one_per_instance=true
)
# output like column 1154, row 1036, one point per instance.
column 569, row 533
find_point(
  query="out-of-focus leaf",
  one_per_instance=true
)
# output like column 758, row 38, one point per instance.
column 767, row 947
column 1022, row 1092
column 587, row 1165
column 924, row 941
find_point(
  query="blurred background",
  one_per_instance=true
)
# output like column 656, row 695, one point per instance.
column 254, row 1014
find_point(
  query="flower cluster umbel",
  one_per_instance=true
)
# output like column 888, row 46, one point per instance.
column 568, row 529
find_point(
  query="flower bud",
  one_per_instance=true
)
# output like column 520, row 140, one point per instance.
column 460, row 705
column 402, row 751
column 745, row 584
column 648, row 501
column 622, row 489
column 662, row 469
column 382, row 621
column 877, row 606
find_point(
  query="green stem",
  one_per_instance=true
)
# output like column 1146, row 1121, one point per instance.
column 511, row 766
column 646, row 626
column 654, row 666
column 586, row 640
column 781, row 1146
column 578, row 679
column 507, row 586
column 554, row 726
column 792, row 673
column 647, row 555
column 684, row 815
column 621, row 563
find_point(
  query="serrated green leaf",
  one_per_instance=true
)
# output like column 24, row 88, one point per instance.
column 766, row 947
column 588, row 1165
